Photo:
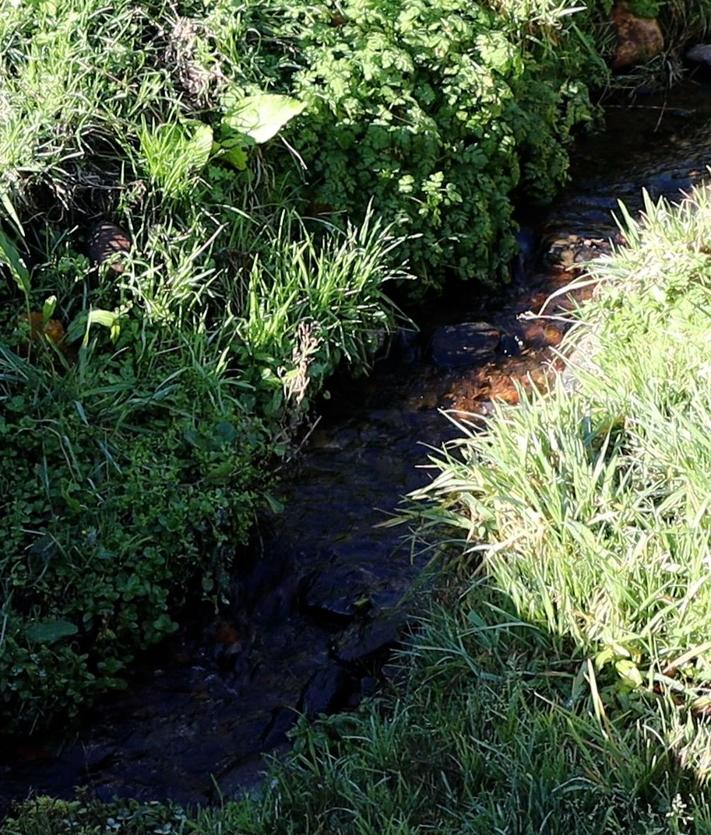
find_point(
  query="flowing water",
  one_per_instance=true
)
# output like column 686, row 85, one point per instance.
column 319, row 605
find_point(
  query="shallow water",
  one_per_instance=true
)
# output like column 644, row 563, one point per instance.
column 317, row 610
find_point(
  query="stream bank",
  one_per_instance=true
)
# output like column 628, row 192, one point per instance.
column 312, row 622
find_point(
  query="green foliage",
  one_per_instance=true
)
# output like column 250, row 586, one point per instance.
column 118, row 487
column 140, row 401
column 173, row 153
column 646, row 8
column 439, row 112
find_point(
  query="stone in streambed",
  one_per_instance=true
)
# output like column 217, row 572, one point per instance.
column 638, row 38
column 465, row 345
column 326, row 691
column 338, row 592
column 364, row 642
column 283, row 720
column 700, row 54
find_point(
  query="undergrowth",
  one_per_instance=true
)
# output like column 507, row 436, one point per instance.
column 271, row 166
column 560, row 681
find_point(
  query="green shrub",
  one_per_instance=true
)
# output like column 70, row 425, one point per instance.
column 123, row 478
column 439, row 112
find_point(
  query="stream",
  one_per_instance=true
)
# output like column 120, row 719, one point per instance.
column 323, row 598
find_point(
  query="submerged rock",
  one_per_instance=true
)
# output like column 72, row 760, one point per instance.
column 700, row 54
column 638, row 38
column 459, row 346
column 338, row 593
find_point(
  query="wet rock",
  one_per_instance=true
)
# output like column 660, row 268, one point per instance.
column 326, row 691
column 510, row 345
column 338, row 593
column 573, row 251
column 541, row 333
column 460, row 346
column 700, row 55
column 283, row 720
column 638, row 38
column 246, row 779
column 108, row 242
column 364, row 642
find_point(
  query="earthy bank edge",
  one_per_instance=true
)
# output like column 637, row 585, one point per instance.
column 560, row 681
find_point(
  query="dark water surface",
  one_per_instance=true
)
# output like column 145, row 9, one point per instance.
column 316, row 613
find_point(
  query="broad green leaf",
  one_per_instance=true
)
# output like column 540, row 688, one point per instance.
column 629, row 673
column 261, row 117
column 10, row 212
column 49, row 631
column 107, row 318
column 81, row 324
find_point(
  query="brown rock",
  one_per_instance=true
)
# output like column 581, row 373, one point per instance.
column 108, row 242
column 638, row 38
column 52, row 329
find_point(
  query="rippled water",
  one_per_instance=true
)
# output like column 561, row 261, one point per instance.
column 317, row 609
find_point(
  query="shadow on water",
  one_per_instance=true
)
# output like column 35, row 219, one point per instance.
column 312, row 619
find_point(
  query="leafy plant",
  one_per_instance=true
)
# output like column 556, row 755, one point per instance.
column 252, row 120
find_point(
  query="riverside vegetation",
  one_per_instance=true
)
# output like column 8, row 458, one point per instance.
column 560, row 680
column 145, row 399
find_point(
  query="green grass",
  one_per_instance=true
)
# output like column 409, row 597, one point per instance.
column 144, row 404
column 560, row 681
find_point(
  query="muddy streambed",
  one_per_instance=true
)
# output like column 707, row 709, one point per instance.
column 319, row 607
